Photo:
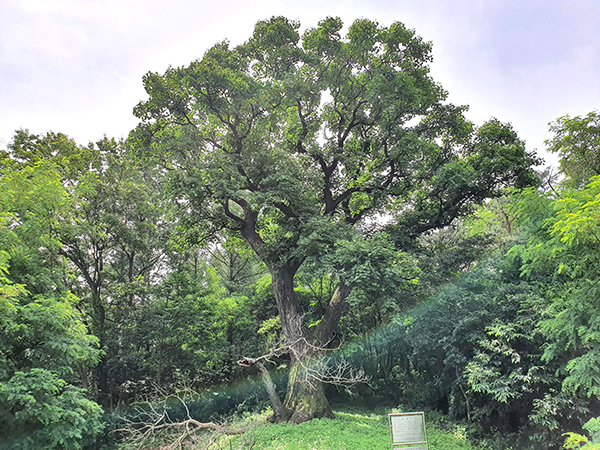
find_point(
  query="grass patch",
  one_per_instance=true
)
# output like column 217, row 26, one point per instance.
column 353, row 429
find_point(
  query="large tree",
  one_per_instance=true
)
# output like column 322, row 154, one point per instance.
column 101, row 210
column 297, row 144
column 45, row 350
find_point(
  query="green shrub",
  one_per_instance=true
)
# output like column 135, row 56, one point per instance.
column 577, row 441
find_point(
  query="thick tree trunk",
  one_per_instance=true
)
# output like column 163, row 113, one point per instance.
column 306, row 396
column 292, row 323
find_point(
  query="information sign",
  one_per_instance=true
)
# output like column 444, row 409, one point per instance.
column 408, row 431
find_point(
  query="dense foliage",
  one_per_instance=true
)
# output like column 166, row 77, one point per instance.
column 284, row 198
column 44, row 351
column 294, row 144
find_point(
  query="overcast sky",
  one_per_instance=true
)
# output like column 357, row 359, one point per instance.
column 76, row 66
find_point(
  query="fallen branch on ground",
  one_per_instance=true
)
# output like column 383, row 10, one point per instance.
column 152, row 424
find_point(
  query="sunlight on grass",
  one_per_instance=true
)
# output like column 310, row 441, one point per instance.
column 351, row 430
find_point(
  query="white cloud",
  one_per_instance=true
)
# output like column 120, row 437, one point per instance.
column 76, row 65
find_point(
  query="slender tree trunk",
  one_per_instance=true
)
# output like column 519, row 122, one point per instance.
column 280, row 412
column 104, row 396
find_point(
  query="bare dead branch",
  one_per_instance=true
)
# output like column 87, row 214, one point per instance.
column 151, row 424
column 315, row 366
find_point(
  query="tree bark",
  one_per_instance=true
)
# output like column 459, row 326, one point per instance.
column 306, row 396
column 280, row 412
column 325, row 330
column 292, row 323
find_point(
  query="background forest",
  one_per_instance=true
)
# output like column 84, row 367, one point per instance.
column 314, row 205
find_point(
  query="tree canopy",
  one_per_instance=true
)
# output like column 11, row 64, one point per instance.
column 299, row 144
column 576, row 140
column 309, row 200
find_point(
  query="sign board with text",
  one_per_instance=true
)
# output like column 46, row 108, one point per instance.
column 408, row 431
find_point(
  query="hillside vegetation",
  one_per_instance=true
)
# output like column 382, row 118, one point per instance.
column 299, row 221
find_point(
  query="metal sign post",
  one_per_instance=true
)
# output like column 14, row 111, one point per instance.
column 407, row 431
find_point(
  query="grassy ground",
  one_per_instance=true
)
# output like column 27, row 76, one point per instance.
column 353, row 429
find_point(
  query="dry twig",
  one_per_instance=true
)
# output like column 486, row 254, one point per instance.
column 152, row 424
